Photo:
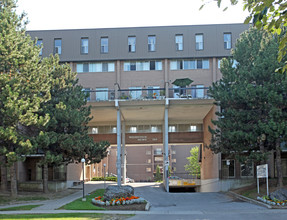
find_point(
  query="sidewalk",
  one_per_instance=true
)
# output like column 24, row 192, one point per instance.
column 53, row 204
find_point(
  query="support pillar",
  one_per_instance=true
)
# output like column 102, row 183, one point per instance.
column 124, row 154
column 165, row 152
column 118, row 143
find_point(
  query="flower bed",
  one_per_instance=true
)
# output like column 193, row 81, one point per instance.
column 269, row 201
column 118, row 201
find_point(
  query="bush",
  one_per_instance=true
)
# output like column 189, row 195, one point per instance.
column 108, row 178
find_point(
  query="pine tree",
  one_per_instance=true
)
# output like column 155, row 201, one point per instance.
column 64, row 139
column 24, row 85
column 252, row 99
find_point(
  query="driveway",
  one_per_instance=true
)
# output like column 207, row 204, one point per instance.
column 199, row 205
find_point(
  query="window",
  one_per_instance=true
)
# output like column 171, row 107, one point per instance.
column 148, row 152
column 173, row 152
column 192, row 127
column 173, row 160
column 151, row 43
column 227, row 41
column 179, row 42
column 39, row 44
column 135, row 92
column 154, row 129
column 58, row 46
column 153, row 91
column 102, row 94
column 148, row 169
column 133, row 129
column 142, row 65
column 171, row 128
column 199, row 41
column 132, row 44
column 104, row 45
column 197, row 91
column 189, row 64
column 148, row 161
column 114, row 130
column 95, row 67
column 84, row 45
column 87, row 91
column 158, row 151
column 95, row 130
column 158, row 159
column 228, row 168
column 218, row 63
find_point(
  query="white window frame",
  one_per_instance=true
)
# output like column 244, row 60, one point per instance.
column 40, row 45
column 84, row 45
column 104, row 45
column 151, row 43
column 199, row 41
column 58, row 48
column 135, row 94
column 132, row 44
column 102, row 94
column 179, row 42
column 227, row 38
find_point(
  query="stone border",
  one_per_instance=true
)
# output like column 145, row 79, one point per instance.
column 243, row 198
column 134, row 201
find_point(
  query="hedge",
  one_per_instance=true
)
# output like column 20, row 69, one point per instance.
column 108, row 178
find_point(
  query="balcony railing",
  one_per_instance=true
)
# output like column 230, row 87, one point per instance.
column 147, row 94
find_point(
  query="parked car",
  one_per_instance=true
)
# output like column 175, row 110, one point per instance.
column 129, row 180
column 174, row 178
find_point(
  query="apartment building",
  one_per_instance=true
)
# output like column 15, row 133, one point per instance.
column 149, row 119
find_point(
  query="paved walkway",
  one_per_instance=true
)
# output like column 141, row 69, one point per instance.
column 166, row 205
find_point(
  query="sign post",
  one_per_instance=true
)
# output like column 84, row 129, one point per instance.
column 262, row 172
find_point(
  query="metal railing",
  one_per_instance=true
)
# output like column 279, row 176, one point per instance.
column 147, row 94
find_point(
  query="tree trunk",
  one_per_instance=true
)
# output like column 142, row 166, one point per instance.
column 3, row 174
column 45, row 178
column 13, row 179
column 279, row 164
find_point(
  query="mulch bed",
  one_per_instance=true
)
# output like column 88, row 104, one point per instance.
column 132, row 207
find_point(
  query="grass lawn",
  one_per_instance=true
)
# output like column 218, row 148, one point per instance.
column 85, row 205
column 66, row 216
column 6, row 199
column 17, row 208
column 251, row 191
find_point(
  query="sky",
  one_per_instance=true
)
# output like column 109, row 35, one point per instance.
column 81, row 14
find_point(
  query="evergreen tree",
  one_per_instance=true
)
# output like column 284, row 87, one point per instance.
column 64, row 139
column 252, row 99
column 193, row 166
column 24, row 85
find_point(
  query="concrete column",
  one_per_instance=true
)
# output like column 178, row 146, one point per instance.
column 124, row 155
column 118, row 79
column 165, row 147
column 118, row 144
column 166, row 78
column 214, row 75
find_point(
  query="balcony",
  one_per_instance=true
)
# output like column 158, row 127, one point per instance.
column 136, row 93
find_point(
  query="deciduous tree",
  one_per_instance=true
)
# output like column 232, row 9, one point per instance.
column 268, row 14
column 193, row 165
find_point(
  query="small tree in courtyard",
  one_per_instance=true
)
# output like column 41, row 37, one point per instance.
column 193, row 165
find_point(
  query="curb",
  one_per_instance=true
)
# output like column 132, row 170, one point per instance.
column 243, row 198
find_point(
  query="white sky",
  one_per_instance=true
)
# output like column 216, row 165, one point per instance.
column 76, row 14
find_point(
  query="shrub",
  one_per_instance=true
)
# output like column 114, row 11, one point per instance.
column 108, row 178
